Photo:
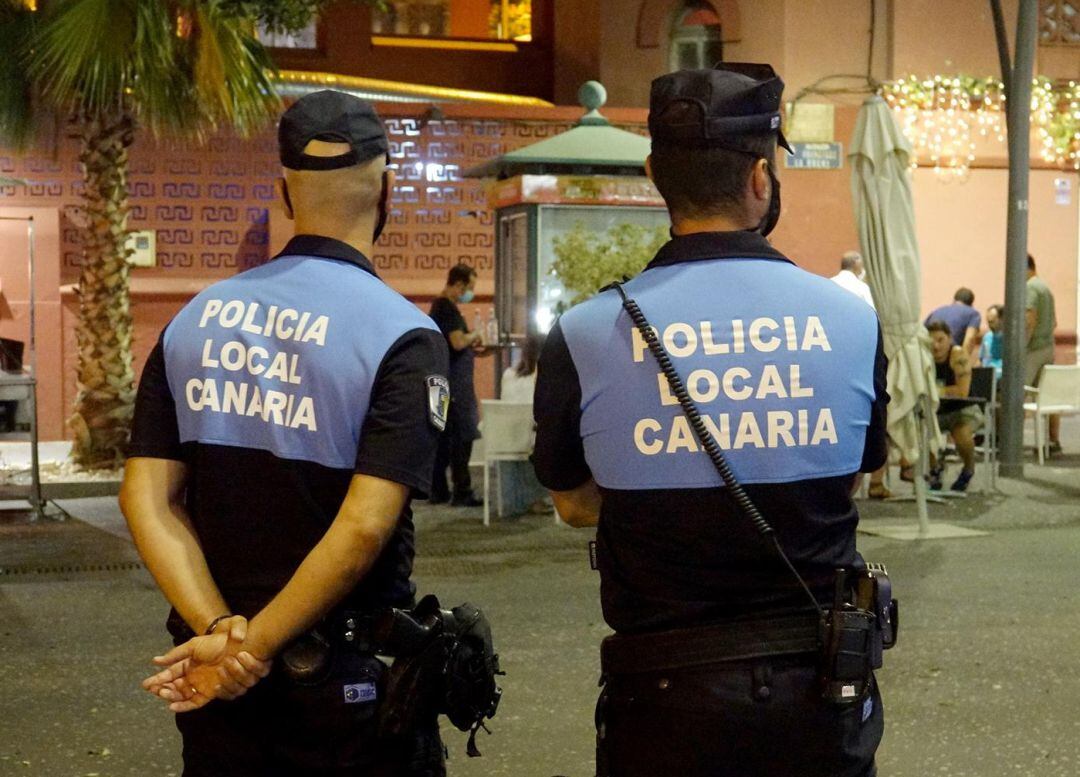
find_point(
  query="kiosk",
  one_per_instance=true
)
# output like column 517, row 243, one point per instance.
column 587, row 182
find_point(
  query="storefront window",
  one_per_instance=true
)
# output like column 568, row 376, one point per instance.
column 477, row 19
column 696, row 42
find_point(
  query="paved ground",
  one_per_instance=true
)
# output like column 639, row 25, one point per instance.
column 983, row 684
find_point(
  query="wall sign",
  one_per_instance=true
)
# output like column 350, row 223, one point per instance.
column 1062, row 191
column 814, row 156
column 810, row 122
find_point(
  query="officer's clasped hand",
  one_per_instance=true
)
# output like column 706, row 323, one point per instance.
column 208, row 667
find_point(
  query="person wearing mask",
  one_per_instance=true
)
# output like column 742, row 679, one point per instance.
column 992, row 347
column 463, row 419
column 280, row 431
column 788, row 373
column 852, row 276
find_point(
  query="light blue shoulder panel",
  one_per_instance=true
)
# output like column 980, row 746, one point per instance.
column 779, row 361
column 283, row 357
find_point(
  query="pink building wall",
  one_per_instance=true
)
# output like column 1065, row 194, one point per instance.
column 212, row 207
column 214, row 215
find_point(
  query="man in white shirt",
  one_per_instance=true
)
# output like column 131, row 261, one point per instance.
column 851, row 277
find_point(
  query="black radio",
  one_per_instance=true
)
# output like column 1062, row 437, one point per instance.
column 861, row 624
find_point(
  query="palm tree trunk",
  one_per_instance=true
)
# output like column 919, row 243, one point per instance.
column 105, row 401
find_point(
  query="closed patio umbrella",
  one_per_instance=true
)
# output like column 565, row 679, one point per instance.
column 884, row 214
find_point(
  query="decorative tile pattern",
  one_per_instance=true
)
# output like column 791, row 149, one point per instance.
column 210, row 205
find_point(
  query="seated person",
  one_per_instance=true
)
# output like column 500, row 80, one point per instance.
column 992, row 348
column 960, row 420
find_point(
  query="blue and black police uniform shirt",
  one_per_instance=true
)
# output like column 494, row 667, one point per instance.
column 788, row 371
column 275, row 387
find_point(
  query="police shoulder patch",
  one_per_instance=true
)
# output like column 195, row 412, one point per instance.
column 438, row 394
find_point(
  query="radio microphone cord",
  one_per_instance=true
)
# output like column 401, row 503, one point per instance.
column 708, row 442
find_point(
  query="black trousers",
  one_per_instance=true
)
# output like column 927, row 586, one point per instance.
column 281, row 728
column 762, row 718
column 454, row 451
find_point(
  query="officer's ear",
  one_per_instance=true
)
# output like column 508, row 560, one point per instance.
column 389, row 179
column 283, row 192
column 648, row 168
column 759, row 180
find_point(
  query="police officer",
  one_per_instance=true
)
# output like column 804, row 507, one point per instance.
column 283, row 421
column 714, row 667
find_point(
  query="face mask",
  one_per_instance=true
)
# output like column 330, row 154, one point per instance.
column 285, row 196
column 772, row 215
column 467, row 297
column 862, row 276
column 384, row 211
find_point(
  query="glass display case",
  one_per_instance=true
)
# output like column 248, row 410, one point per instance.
column 573, row 213
column 548, row 229
column 530, row 291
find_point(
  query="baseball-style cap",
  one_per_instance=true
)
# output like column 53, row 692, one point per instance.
column 335, row 117
column 734, row 98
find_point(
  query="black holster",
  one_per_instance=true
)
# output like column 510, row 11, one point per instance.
column 847, row 636
column 862, row 623
column 445, row 663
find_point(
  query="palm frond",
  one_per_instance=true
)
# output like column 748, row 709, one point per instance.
column 83, row 55
column 285, row 15
column 232, row 71
column 165, row 99
column 17, row 115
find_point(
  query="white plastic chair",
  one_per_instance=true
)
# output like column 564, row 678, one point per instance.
column 1058, row 394
column 508, row 436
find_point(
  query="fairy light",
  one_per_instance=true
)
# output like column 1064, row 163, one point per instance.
column 942, row 117
column 1056, row 112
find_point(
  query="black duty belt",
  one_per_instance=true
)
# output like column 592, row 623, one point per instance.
column 774, row 635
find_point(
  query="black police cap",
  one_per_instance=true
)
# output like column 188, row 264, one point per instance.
column 335, row 117
column 734, row 99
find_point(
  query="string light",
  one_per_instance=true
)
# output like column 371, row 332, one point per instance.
column 1055, row 110
column 942, row 116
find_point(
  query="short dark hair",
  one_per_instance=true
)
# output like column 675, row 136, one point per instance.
column 937, row 325
column 965, row 295
column 1031, row 262
column 460, row 273
column 997, row 308
column 697, row 182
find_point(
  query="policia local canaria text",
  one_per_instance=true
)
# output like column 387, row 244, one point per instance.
column 761, row 429
column 282, row 407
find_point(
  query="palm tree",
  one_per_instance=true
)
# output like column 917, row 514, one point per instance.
column 112, row 67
